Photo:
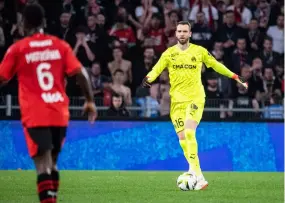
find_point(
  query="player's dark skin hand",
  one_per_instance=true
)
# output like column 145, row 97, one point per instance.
column 90, row 109
column 145, row 83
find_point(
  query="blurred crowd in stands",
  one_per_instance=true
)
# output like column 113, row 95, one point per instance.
column 119, row 41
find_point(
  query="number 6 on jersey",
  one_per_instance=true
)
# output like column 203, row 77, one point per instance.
column 45, row 77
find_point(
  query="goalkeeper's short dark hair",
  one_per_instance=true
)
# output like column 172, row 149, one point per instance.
column 184, row 22
column 33, row 16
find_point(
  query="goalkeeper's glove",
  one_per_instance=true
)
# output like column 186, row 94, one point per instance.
column 145, row 83
column 241, row 80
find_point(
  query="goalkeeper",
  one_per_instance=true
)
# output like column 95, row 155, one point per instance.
column 184, row 63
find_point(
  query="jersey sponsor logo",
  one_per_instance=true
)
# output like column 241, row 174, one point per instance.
column 49, row 97
column 46, row 55
column 187, row 66
column 43, row 43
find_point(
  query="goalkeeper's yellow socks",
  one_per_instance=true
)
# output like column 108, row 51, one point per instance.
column 184, row 146
column 192, row 148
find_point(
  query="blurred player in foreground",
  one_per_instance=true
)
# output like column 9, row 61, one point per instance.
column 184, row 63
column 41, row 63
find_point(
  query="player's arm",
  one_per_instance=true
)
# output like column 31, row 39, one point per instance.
column 74, row 68
column 8, row 66
column 210, row 61
column 156, row 70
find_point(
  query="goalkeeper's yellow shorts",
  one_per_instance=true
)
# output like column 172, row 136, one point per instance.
column 182, row 111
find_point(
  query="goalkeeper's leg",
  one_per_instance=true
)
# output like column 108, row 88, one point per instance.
column 177, row 114
column 184, row 145
column 193, row 116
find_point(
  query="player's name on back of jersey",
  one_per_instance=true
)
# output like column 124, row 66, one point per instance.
column 188, row 66
column 45, row 55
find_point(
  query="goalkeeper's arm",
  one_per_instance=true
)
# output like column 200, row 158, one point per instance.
column 156, row 71
column 210, row 61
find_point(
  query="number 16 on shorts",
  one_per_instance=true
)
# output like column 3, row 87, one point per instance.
column 179, row 123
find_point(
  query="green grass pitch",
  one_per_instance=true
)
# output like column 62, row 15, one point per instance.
column 145, row 187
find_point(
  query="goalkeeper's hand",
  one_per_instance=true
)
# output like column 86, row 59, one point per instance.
column 241, row 80
column 145, row 83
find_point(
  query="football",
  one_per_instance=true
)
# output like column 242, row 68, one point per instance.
column 187, row 181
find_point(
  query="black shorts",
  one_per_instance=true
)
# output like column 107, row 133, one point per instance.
column 42, row 139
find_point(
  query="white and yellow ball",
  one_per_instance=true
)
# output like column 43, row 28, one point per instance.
column 187, row 181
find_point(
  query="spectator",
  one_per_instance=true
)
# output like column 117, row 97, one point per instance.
column 210, row 12
column 274, row 110
column 267, row 55
column 8, row 21
column 214, row 96
column 154, row 34
column 68, row 7
column 92, row 8
column 256, row 80
column 142, row 66
column 100, row 39
column 143, row 10
column 240, row 56
column 84, row 48
column 221, row 8
column 268, row 84
column 242, row 14
column 217, row 51
column 201, row 32
column 101, row 20
column 279, row 79
column 119, row 87
column 120, row 63
column 117, row 109
column 242, row 99
column 160, row 91
column 228, row 34
column 148, row 102
column 183, row 7
column 266, row 14
column 254, row 37
column 276, row 32
column 122, row 31
column 92, row 28
column 63, row 29
column 171, row 19
column 98, row 81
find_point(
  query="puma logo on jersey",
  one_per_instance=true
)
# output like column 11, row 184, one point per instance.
column 52, row 97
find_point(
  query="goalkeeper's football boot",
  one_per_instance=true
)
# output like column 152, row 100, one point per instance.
column 202, row 184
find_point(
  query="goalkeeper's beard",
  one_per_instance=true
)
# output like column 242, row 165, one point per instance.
column 183, row 41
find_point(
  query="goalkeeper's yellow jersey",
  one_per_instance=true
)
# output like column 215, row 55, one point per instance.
column 184, row 67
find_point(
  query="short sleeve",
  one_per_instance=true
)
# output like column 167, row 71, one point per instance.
column 72, row 65
column 8, row 65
